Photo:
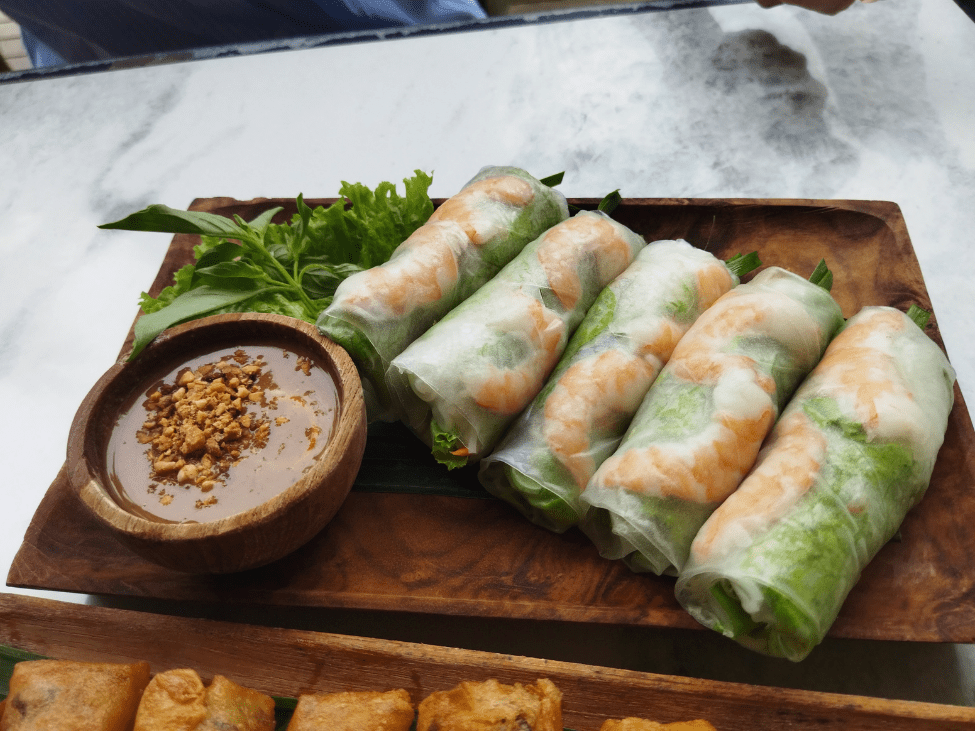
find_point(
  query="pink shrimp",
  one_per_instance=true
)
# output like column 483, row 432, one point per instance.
column 706, row 472
column 590, row 395
column 710, row 466
column 466, row 209
column 849, row 357
column 567, row 245
column 699, row 356
column 713, row 281
column 509, row 390
column 738, row 312
column 787, row 468
column 791, row 461
column 409, row 280
column 661, row 342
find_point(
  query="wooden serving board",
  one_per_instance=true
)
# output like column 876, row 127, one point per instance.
column 414, row 538
column 290, row 662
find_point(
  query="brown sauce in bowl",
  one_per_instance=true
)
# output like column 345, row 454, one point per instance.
column 223, row 433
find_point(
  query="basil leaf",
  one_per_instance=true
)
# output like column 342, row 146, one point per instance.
column 261, row 222
column 552, row 180
column 163, row 219
column 299, row 241
column 321, row 280
column 232, row 270
column 189, row 305
column 610, row 202
column 221, row 252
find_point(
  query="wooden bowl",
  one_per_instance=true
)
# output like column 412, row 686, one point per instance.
column 258, row 535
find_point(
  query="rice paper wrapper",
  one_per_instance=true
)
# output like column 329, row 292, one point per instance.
column 376, row 313
column 549, row 454
column 461, row 384
column 853, row 452
column 701, row 425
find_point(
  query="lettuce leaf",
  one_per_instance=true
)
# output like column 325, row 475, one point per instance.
column 447, row 447
column 290, row 269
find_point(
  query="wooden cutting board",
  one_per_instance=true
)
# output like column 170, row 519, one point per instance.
column 415, row 538
column 290, row 662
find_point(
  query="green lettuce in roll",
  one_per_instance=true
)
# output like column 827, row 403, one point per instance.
column 852, row 453
column 549, row 454
column 376, row 313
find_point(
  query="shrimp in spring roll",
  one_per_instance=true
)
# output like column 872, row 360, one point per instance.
column 376, row 313
column 853, row 452
column 700, row 427
column 466, row 379
column 549, row 454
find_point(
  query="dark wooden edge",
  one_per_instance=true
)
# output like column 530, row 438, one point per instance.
column 290, row 662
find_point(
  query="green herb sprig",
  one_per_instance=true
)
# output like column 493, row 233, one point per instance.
column 291, row 269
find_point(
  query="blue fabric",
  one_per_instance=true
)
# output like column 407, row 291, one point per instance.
column 38, row 53
column 72, row 31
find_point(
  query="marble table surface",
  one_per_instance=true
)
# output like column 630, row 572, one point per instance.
column 733, row 101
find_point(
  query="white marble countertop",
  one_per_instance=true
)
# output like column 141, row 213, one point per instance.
column 736, row 101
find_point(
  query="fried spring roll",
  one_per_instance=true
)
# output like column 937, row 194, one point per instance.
column 354, row 711
column 466, row 379
column 376, row 313
column 492, row 705
column 177, row 700
column 550, row 453
column 642, row 724
column 699, row 429
column 73, row 696
column 852, row 453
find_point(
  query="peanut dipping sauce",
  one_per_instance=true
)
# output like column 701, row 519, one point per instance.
column 221, row 434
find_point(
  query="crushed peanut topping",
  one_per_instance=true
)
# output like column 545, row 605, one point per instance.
column 198, row 426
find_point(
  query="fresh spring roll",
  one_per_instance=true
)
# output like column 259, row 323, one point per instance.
column 376, row 313
column 699, row 429
column 549, row 454
column 852, row 453
column 465, row 380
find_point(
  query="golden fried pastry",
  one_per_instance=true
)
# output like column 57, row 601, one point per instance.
column 353, row 711
column 491, row 706
column 73, row 696
column 642, row 724
column 231, row 707
column 177, row 700
column 173, row 701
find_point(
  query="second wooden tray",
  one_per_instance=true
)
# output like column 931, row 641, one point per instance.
column 289, row 662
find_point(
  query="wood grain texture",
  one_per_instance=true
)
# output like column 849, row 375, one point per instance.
column 290, row 662
column 478, row 558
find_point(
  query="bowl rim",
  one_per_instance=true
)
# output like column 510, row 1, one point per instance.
column 85, row 478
